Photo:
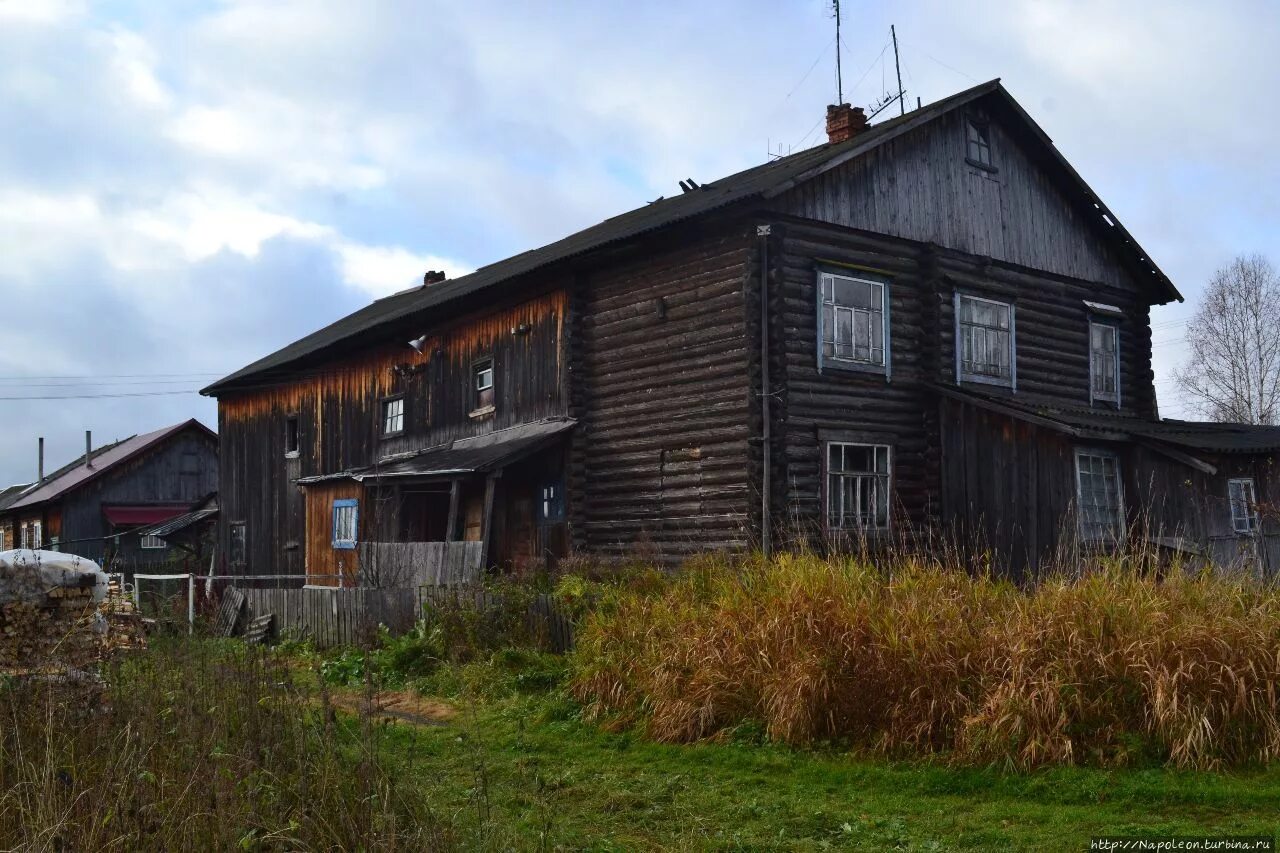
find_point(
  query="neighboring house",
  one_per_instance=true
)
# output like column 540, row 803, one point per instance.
column 955, row 340
column 100, row 505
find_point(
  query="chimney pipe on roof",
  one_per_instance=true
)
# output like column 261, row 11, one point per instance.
column 40, row 467
column 844, row 122
column 433, row 277
column 88, row 448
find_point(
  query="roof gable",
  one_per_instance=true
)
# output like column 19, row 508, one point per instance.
column 76, row 474
column 763, row 182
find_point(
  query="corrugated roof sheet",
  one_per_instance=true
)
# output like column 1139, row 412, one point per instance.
column 76, row 473
column 181, row 523
column 10, row 493
column 761, row 181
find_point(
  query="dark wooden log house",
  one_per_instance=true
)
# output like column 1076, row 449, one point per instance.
column 103, row 504
column 954, row 337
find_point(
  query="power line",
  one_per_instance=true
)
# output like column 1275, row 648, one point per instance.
column 104, row 396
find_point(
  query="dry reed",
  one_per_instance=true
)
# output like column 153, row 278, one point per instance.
column 1112, row 666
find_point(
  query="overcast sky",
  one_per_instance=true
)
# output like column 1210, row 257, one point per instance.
column 186, row 186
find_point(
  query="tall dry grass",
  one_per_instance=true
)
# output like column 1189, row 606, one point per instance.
column 1113, row 666
column 195, row 745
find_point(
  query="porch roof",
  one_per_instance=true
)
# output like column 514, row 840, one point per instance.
column 472, row 455
column 1201, row 436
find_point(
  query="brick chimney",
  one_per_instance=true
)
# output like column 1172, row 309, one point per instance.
column 433, row 277
column 844, row 122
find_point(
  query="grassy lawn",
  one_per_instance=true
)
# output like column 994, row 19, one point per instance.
column 527, row 764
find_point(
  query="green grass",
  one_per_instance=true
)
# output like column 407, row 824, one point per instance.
column 527, row 763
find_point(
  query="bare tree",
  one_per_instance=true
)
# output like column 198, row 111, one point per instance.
column 1233, row 372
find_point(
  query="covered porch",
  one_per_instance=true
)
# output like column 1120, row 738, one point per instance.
column 443, row 515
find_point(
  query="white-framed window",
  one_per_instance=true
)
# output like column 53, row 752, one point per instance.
column 977, row 143
column 857, row 486
column 1104, row 361
column 986, row 350
column 346, row 514
column 483, row 372
column 1099, row 495
column 853, row 320
column 393, row 416
column 1244, row 505
column 152, row 543
column 31, row 534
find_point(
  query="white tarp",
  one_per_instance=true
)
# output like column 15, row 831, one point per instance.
column 27, row 574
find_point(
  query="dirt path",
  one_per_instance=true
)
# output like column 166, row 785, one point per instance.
column 401, row 705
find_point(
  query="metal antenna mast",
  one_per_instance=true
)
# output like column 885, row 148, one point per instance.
column 839, row 76
column 896, row 67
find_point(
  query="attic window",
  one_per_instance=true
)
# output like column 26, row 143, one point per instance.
column 977, row 138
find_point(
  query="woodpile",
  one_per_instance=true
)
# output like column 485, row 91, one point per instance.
column 64, row 630
column 124, row 623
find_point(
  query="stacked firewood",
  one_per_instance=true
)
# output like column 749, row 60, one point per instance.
column 64, row 630
column 124, row 622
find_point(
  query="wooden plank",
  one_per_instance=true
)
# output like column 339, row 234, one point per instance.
column 229, row 609
column 259, row 630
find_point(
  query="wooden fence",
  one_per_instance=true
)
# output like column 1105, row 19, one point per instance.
column 414, row 564
column 335, row 617
column 346, row 617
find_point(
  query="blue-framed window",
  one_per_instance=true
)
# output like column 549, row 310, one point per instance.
column 551, row 503
column 346, row 519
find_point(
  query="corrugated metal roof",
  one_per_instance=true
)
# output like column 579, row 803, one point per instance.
column 759, row 182
column 104, row 458
column 180, row 523
column 463, row 456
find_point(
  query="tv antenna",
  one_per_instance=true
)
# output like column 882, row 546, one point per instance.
column 839, row 74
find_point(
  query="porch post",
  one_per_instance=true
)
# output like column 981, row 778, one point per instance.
column 455, row 495
column 487, row 529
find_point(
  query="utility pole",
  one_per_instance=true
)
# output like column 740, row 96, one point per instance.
column 896, row 67
column 839, row 76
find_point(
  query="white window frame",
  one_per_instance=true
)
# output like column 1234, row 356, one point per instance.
column 151, row 543
column 962, row 375
column 1118, row 530
column 865, row 318
column 393, row 421
column 484, row 373
column 1244, row 519
column 834, row 498
column 1095, row 394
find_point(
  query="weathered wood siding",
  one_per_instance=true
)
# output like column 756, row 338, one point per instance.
column 810, row 407
column 920, row 187
column 659, row 459
column 181, row 470
column 338, row 408
column 325, row 564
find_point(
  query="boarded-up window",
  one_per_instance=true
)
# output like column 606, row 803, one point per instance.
column 1104, row 361
column 984, row 340
column 857, row 486
column 1244, row 505
column 1100, row 499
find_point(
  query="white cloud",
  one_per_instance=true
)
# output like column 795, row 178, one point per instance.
column 382, row 270
column 40, row 11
